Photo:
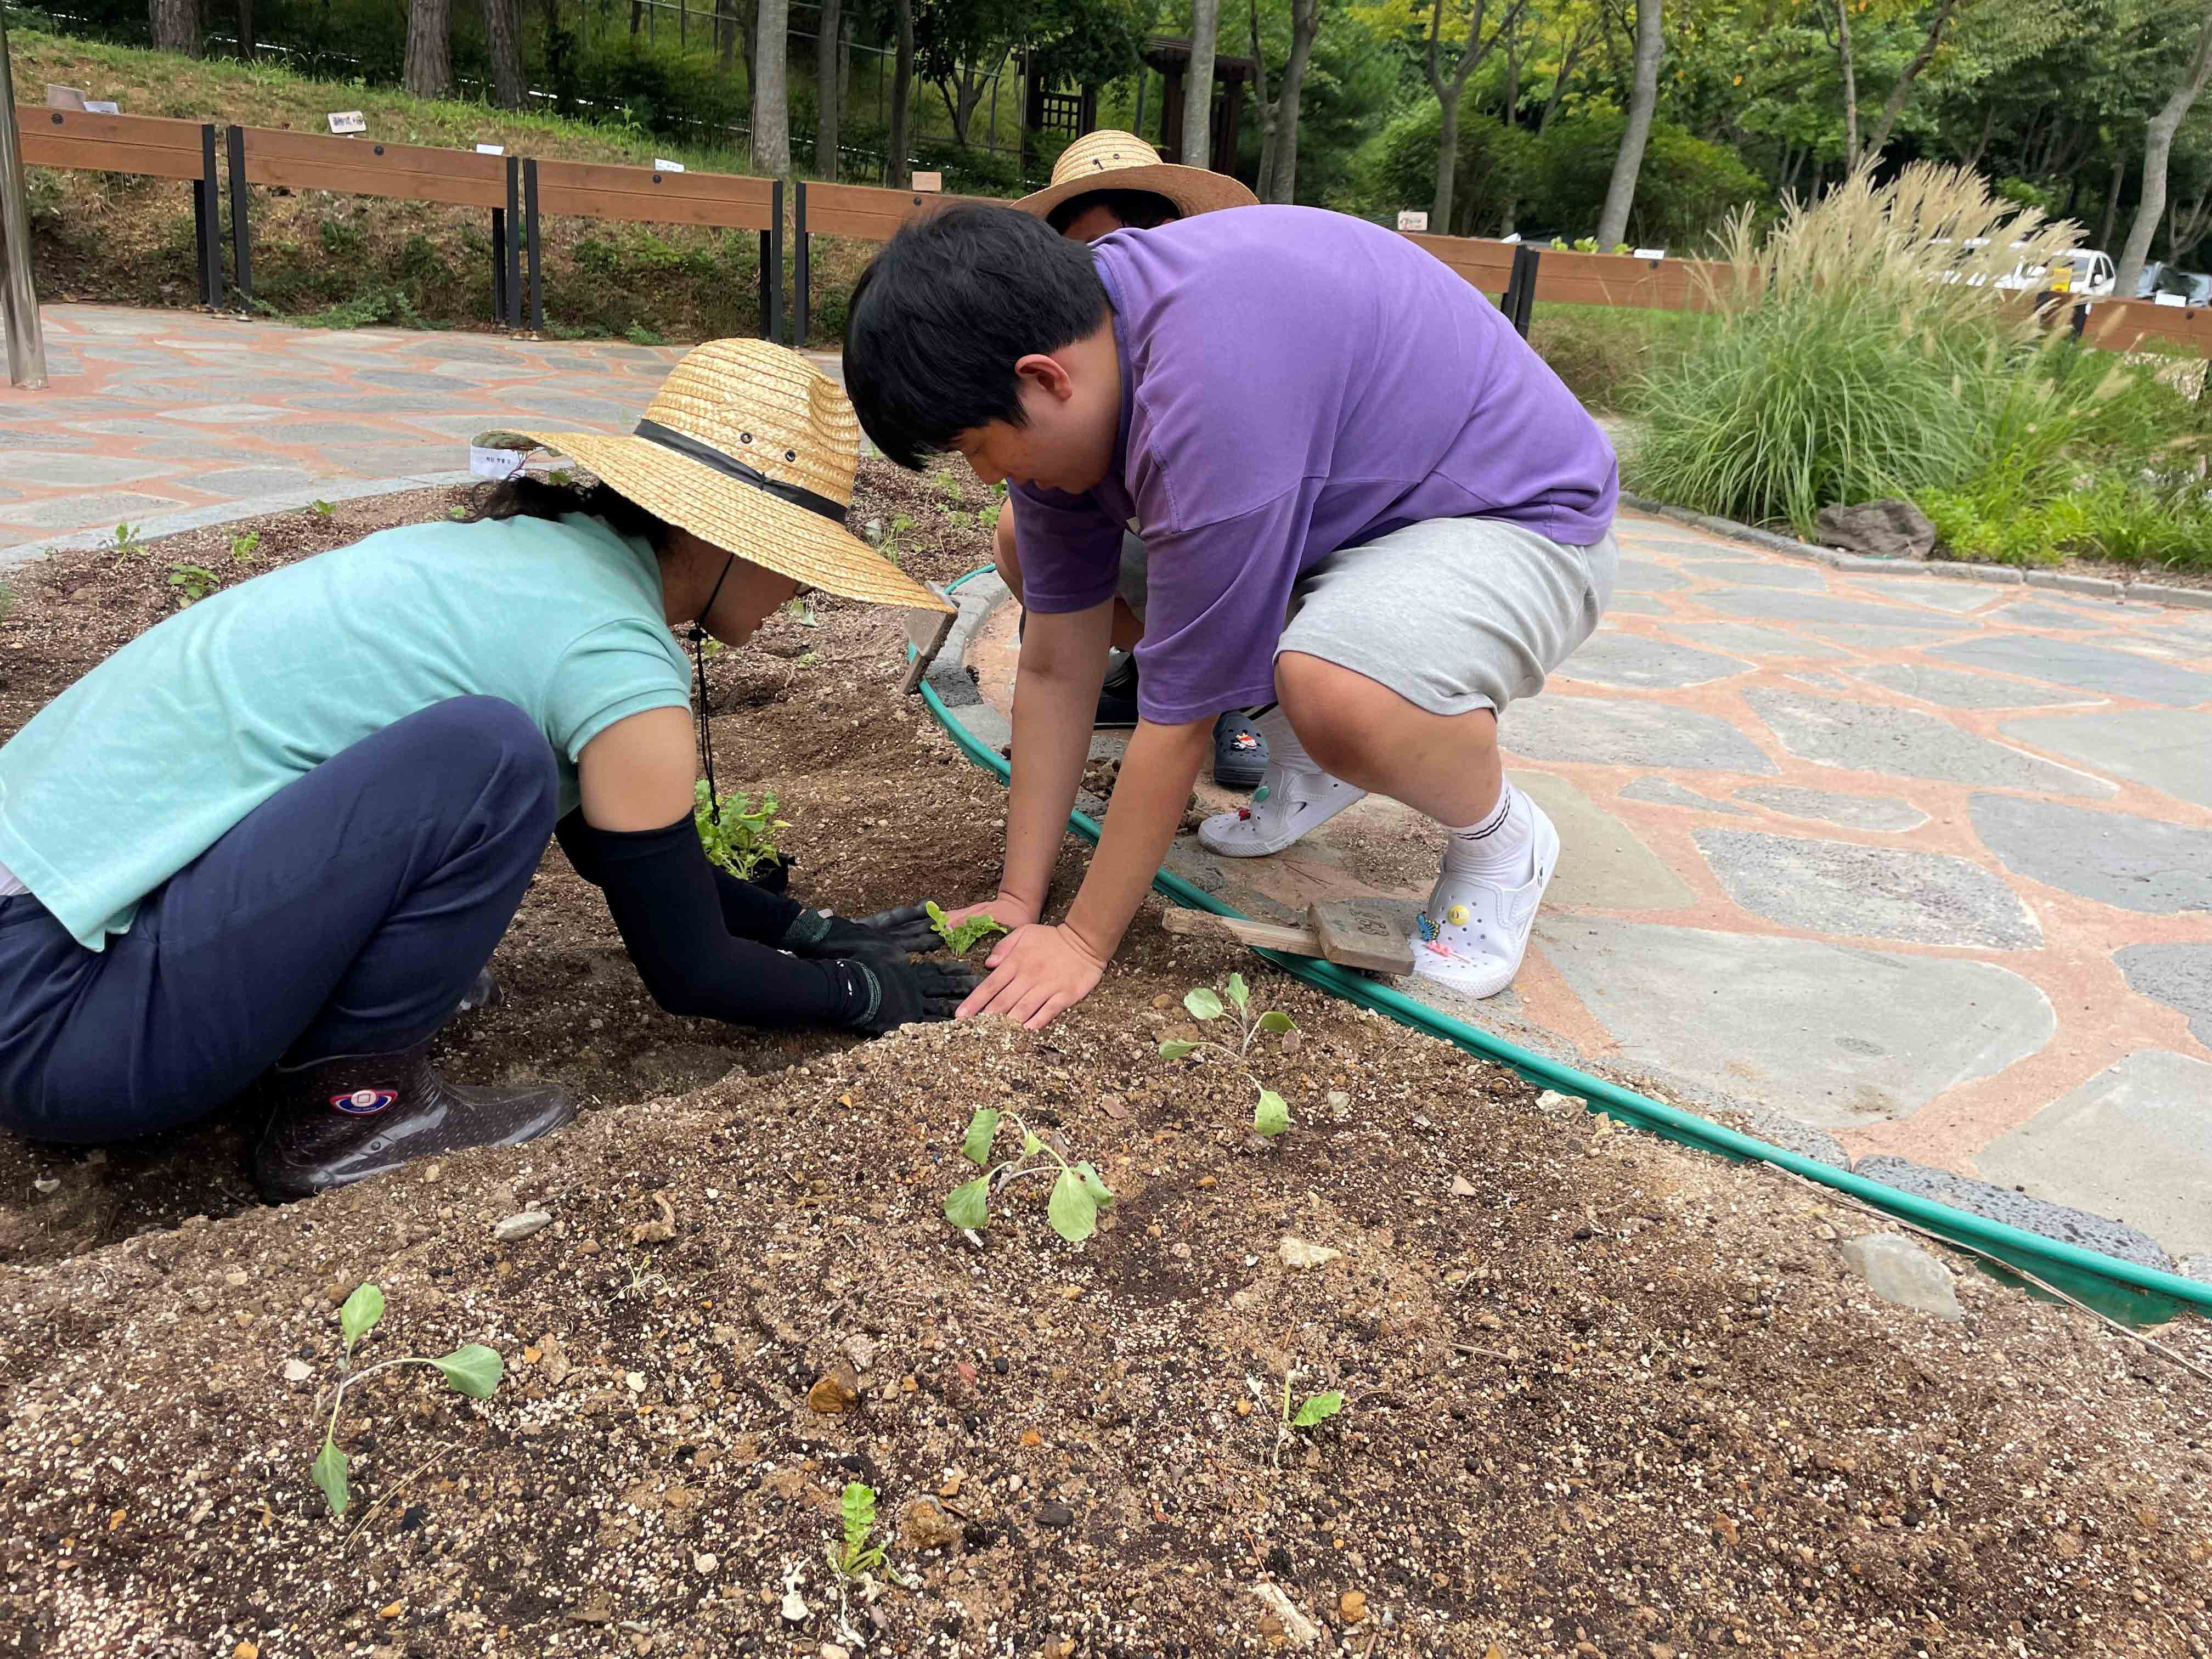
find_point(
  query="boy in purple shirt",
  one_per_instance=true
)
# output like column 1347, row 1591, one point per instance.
column 1362, row 497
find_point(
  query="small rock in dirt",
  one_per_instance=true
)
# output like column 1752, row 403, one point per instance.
column 598, row 1611
column 706, row 1562
column 1898, row 1270
column 1552, row 1101
column 1297, row 1629
column 1339, row 1100
column 520, row 1226
column 634, row 1381
column 46, row 1184
column 1880, row 530
column 1055, row 1514
column 838, row 1391
column 1297, row 1253
column 861, row 1350
column 923, row 1526
column 1352, row 1606
column 1462, row 1187
column 833, row 1650
column 794, row 1608
column 297, row 1371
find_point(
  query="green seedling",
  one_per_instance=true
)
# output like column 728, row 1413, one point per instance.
column 472, row 1368
column 887, row 541
column 1270, row 1115
column 127, row 542
column 801, row 611
column 961, row 937
column 458, row 515
column 243, row 548
column 194, row 582
column 949, row 487
column 736, row 835
column 321, row 509
column 1316, row 1409
column 855, row 1555
column 1079, row 1192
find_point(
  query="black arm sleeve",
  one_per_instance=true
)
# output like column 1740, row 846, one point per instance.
column 749, row 912
column 661, row 892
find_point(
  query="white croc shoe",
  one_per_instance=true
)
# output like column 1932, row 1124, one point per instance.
column 1287, row 805
column 1472, row 935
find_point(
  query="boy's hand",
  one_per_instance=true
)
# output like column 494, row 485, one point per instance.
column 1035, row 972
column 1009, row 912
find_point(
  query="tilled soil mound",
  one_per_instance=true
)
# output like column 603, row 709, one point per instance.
column 1602, row 1396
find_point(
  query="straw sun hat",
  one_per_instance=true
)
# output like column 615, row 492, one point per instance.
column 751, row 447
column 1122, row 160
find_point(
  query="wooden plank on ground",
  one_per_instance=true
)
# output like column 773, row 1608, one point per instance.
column 1353, row 938
column 1266, row 935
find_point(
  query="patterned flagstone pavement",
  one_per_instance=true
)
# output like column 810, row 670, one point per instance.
column 1917, row 872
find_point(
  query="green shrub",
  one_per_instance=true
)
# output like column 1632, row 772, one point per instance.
column 1495, row 164
column 1684, row 194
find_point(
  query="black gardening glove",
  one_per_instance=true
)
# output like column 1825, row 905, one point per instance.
column 887, row 936
column 885, row 995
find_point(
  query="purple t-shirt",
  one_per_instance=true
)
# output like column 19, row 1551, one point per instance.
column 1294, row 381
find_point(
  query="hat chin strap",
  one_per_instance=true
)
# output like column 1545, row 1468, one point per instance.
column 699, row 662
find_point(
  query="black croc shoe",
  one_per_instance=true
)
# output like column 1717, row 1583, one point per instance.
column 1240, row 753
column 342, row 1120
column 1117, row 698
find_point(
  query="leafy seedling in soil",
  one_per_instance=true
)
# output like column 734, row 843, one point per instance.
column 855, row 1555
column 321, row 509
column 887, row 541
column 1271, row 1115
column 1078, row 1193
column 472, row 1368
column 736, row 835
column 193, row 582
column 961, row 937
column 801, row 611
column 1317, row 1409
column 243, row 548
column 127, row 542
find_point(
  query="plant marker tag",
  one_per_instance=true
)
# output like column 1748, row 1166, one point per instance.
column 102, row 106
column 344, row 121
column 491, row 149
column 1651, row 254
column 63, row 97
column 497, row 463
column 928, row 184
column 662, row 165
column 1413, row 219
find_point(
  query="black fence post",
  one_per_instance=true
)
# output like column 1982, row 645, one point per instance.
column 772, row 267
column 241, row 231
column 536, row 264
column 511, row 250
column 498, row 265
column 802, row 273
column 1521, row 290
column 207, row 222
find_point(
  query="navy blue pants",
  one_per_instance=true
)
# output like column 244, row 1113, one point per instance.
column 344, row 915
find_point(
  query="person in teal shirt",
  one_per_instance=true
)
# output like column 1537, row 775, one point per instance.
column 281, row 831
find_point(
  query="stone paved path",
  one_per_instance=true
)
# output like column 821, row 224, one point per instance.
column 1917, row 872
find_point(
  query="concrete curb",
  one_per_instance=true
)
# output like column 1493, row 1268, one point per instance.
column 2103, row 587
column 253, row 507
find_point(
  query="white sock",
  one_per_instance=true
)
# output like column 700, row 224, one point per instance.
column 1497, row 848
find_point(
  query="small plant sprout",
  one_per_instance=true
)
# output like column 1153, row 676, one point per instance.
column 126, row 542
column 854, row 1555
column 961, row 937
column 1270, row 1115
column 736, row 835
column 473, row 1370
column 243, row 548
column 321, row 509
column 1078, row 1193
column 1317, row 1408
column 193, row 582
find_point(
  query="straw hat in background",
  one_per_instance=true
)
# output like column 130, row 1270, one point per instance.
column 750, row 447
column 1122, row 160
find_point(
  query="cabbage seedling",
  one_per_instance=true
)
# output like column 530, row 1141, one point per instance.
column 1078, row 1193
column 1317, row 1408
column 960, row 938
column 855, row 1555
column 734, row 833
column 1270, row 1115
column 472, row 1368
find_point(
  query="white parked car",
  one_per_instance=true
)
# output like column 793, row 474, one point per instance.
column 2089, row 274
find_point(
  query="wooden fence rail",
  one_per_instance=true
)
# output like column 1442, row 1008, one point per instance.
column 146, row 147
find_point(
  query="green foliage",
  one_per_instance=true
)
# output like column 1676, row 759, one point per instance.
column 321, row 509
column 473, row 1370
column 1079, row 1192
column 1496, row 169
column 853, row 1555
column 960, row 938
column 126, row 542
column 737, row 835
column 193, row 582
column 1270, row 1115
column 1317, row 1408
column 1685, row 193
column 244, row 547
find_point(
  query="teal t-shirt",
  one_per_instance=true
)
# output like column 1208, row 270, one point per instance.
column 145, row 762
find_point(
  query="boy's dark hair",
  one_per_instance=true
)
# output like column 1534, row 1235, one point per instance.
column 526, row 496
column 1137, row 209
column 941, row 316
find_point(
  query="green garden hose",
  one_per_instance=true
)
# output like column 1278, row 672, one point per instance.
column 2123, row 1290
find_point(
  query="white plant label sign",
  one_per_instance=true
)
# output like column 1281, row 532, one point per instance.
column 1413, row 219
column 660, row 164
column 344, row 121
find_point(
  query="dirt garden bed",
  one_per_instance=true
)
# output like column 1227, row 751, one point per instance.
column 1604, row 1397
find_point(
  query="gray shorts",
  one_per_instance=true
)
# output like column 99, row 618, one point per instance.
column 1452, row 614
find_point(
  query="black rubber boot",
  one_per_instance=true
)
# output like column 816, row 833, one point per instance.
column 342, row 1120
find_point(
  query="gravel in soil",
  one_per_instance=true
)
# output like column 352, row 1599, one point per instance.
column 1604, row 1397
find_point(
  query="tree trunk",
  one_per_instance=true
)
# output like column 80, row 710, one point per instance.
column 177, row 26
column 1903, row 89
column 429, row 69
column 1447, row 91
column 1198, row 85
column 2112, row 214
column 726, row 34
column 1440, row 209
column 1628, row 160
column 1559, row 82
column 1851, row 84
column 827, row 112
column 897, row 166
column 245, row 31
column 748, row 40
column 502, row 21
column 1306, row 27
column 2158, row 144
column 1266, row 108
column 636, row 17
column 771, row 93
